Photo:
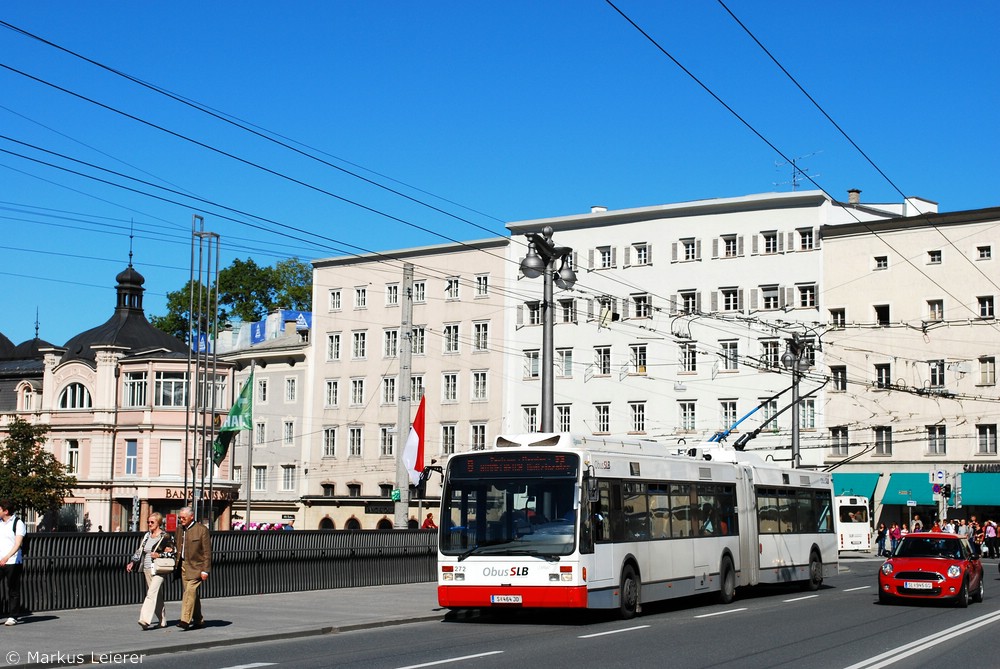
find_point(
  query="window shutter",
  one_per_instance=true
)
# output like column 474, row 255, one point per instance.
column 625, row 308
column 673, row 252
column 590, row 309
column 590, row 259
column 753, row 244
column 754, row 296
column 815, row 238
column 675, row 303
column 781, row 297
column 626, row 259
column 715, row 247
column 697, row 249
column 739, row 300
column 697, row 301
column 739, row 245
column 520, row 315
column 781, row 241
column 649, row 254
column 790, row 297
column 791, row 241
column 715, row 301
column 614, row 256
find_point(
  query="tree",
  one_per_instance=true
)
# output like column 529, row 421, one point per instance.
column 175, row 321
column 247, row 292
column 30, row 476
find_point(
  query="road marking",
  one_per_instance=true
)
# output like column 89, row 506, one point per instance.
column 253, row 665
column 896, row 654
column 721, row 613
column 627, row 629
column 799, row 599
column 863, row 587
column 452, row 659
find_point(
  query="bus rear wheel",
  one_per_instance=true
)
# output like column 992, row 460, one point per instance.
column 727, row 581
column 629, row 593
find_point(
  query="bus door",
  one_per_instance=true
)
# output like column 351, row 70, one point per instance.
column 605, row 514
column 746, row 500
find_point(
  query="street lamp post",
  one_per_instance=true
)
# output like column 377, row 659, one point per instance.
column 541, row 260
column 792, row 360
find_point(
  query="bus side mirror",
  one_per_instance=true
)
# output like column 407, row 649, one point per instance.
column 590, row 486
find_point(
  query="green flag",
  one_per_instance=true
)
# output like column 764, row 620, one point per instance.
column 240, row 418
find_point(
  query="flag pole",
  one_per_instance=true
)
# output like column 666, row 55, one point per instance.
column 402, row 505
column 248, row 479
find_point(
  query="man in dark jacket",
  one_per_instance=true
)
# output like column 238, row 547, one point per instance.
column 195, row 546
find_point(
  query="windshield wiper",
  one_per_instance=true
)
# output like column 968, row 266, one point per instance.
column 548, row 557
column 485, row 544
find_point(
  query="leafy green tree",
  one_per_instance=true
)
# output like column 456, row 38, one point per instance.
column 247, row 292
column 294, row 283
column 30, row 476
column 175, row 321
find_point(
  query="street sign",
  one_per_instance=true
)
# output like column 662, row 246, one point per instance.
column 911, row 502
column 903, row 493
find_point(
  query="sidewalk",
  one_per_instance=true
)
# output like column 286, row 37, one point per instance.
column 38, row 639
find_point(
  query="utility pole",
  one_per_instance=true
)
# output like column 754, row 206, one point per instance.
column 402, row 505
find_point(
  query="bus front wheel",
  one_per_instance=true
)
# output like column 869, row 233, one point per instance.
column 629, row 593
column 727, row 581
column 815, row 579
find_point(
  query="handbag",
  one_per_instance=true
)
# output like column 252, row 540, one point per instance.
column 163, row 565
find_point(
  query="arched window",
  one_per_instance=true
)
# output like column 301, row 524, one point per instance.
column 352, row 524
column 326, row 524
column 75, row 396
column 384, row 524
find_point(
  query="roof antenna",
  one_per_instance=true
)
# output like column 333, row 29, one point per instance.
column 36, row 322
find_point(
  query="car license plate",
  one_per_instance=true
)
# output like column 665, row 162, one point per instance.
column 505, row 599
column 918, row 585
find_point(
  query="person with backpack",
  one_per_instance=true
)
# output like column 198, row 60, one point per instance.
column 12, row 531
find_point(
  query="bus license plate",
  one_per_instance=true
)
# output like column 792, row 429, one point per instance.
column 505, row 599
column 918, row 585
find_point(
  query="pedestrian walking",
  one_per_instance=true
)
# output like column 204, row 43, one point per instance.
column 894, row 536
column 880, row 538
column 12, row 533
column 195, row 545
column 155, row 543
column 990, row 532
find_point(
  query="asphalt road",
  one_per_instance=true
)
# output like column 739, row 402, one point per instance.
column 839, row 627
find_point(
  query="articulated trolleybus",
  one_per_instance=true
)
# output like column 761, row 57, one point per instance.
column 559, row 520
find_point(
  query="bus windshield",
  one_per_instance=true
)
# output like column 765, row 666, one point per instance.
column 509, row 516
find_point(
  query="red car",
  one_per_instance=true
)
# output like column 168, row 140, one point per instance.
column 932, row 565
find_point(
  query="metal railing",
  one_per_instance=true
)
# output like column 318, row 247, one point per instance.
column 67, row 571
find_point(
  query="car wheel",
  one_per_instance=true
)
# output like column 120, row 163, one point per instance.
column 980, row 592
column 629, row 593
column 962, row 601
column 884, row 599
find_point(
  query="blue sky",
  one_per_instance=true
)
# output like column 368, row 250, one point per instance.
column 491, row 112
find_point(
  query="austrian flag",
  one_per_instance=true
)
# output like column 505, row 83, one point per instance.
column 413, row 453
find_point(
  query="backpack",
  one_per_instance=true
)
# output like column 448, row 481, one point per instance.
column 24, row 542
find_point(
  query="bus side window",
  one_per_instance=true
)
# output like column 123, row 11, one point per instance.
column 601, row 510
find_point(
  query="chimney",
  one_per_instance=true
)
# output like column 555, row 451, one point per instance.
column 854, row 196
column 598, row 209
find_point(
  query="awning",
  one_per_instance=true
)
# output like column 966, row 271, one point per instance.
column 980, row 489
column 855, row 483
column 906, row 486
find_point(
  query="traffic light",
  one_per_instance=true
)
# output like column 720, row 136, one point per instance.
column 946, row 490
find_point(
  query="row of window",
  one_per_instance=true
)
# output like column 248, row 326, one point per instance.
column 479, row 389
column 259, row 481
column 452, row 291
column 170, row 389
column 732, row 245
column 387, row 440
column 935, row 440
column 882, row 374
column 563, row 417
column 450, row 336
column 934, row 310
column 934, row 257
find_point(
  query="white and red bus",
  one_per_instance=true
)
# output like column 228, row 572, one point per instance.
column 854, row 525
column 559, row 520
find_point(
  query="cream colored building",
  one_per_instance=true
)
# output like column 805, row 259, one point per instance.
column 679, row 317
column 458, row 342
column 911, row 349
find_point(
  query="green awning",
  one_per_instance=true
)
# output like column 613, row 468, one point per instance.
column 907, row 486
column 980, row 489
column 855, row 483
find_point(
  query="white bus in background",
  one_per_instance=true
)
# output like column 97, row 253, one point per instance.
column 560, row 520
column 854, row 526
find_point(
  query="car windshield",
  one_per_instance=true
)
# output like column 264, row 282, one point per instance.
column 930, row 547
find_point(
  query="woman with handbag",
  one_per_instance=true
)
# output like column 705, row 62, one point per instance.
column 154, row 556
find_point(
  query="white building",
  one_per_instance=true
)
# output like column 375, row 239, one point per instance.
column 458, row 331
column 913, row 361
column 679, row 318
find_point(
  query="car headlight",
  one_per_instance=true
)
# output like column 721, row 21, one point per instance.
column 954, row 571
column 887, row 568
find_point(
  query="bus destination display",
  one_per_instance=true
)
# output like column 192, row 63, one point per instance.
column 515, row 465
